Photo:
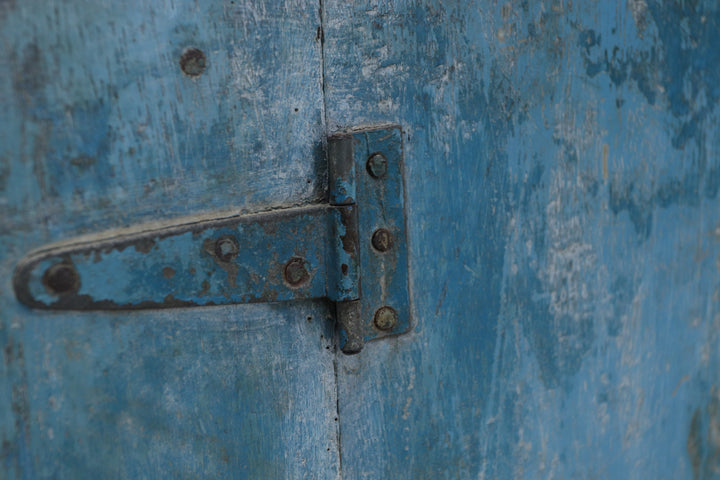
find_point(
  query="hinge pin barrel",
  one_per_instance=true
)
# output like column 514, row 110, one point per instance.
column 344, row 270
column 341, row 170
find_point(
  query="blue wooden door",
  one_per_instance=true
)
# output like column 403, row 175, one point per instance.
column 115, row 114
column 563, row 221
column 563, row 236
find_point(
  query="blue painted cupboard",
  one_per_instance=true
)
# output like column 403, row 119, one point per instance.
column 563, row 235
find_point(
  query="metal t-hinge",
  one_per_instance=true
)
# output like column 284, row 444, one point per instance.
column 351, row 250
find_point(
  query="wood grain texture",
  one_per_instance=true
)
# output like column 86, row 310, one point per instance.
column 562, row 221
column 100, row 128
column 563, row 228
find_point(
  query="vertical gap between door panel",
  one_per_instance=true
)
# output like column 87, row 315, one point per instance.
column 321, row 39
column 338, row 436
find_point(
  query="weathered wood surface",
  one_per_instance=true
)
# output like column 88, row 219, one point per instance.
column 564, row 237
column 100, row 128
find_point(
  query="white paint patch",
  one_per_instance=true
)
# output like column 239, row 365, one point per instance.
column 639, row 10
column 569, row 257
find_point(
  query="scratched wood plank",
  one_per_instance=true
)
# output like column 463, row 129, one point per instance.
column 564, row 234
column 101, row 128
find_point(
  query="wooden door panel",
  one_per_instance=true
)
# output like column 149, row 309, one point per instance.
column 120, row 113
column 562, row 218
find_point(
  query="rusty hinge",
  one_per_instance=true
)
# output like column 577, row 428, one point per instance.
column 351, row 250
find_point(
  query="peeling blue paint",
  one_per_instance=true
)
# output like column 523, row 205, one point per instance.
column 562, row 236
column 102, row 129
column 564, row 309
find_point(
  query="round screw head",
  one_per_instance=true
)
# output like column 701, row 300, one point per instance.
column 192, row 61
column 295, row 272
column 382, row 240
column 377, row 165
column 226, row 248
column 385, row 318
column 61, row 278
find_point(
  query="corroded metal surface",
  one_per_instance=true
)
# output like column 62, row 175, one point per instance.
column 385, row 274
column 240, row 259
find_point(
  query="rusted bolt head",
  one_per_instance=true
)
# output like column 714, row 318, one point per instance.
column 385, row 319
column 295, row 272
column 377, row 165
column 226, row 248
column 192, row 61
column 61, row 278
column 382, row 240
